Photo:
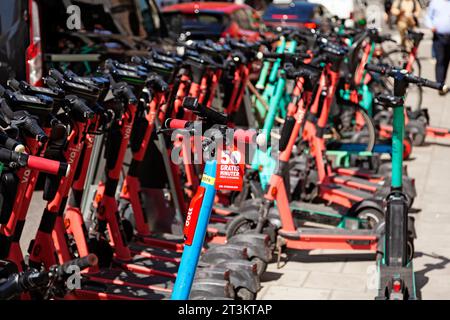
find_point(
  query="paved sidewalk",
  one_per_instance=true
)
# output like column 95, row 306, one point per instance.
column 338, row 275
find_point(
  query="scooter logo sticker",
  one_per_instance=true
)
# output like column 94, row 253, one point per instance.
column 192, row 216
column 230, row 170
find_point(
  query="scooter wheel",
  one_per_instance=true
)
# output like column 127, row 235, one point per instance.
column 407, row 148
column 244, row 294
column 371, row 217
column 418, row 132
column 410, row 251
column 238, row 225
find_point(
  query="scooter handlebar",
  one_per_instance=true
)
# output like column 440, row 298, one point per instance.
column 393, row 72
column 32, row 279
column 34, row 163
column 32, row 126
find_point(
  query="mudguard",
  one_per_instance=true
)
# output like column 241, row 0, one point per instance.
column 243, row 274
column 364, row 204
column 257, row 245
column 252, row 213
column 212, row 273
column 228, row 251
column 209, row 288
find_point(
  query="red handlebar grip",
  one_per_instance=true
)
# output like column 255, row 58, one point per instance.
column 48, row 166
column 176, row 123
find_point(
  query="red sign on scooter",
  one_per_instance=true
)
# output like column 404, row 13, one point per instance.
column 192, row 215
column 230, row 171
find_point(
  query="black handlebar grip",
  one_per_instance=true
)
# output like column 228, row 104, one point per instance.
column 157, row 83
column 32, row 279
column 376, row 68
column 7, row 156
column 31, row 125
column 14, row 84
column 433, row 84
column 79, row 107
column 122, row 90
column 88, row 261
column 214, row 116
column 55, row 74
column 10, row 144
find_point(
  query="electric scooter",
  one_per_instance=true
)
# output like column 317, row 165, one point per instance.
column 395, row 265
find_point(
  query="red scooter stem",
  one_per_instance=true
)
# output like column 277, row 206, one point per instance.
column 14, row 227
column 107, row 208
column 44, row 246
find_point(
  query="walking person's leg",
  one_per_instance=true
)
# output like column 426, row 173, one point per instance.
column 402, row 27
column 446, row 59
column 439, row 50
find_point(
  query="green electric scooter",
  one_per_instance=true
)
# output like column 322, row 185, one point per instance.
column 395, row 265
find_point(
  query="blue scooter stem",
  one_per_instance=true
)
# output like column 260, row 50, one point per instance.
column 191, row 253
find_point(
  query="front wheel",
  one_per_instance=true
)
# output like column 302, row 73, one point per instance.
column 371, row 218
column 239, row 225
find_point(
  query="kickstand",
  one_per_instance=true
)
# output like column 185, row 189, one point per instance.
column 279, row 252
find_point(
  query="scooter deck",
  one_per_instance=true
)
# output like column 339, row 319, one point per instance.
column 133, row 279
column 354, row 195
column 316, row 208
column 116, row 284
column 149, row 266
column 360, row 173
column 335, row 238
column 356, row 182
column 155, row 253
column 163, row 241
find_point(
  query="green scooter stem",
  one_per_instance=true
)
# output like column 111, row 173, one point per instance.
column 276, row 65
column 269, row 93
column 397, row 147
column 274, row 105
column 266, row 65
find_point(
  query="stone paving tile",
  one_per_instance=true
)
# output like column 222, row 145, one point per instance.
column 291, row 293
column 345, row 282
column 291, row 278
column 357, row 267
column 348, row 295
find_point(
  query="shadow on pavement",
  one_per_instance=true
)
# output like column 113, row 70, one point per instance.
column 421, row 276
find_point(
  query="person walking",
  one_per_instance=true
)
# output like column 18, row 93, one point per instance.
column 438, row 20
column 407, row 13
column 388, row 15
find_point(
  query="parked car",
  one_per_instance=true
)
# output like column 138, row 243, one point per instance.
column 346, row 9
column 34, row 34
column 296, row 14
column 212, row 20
